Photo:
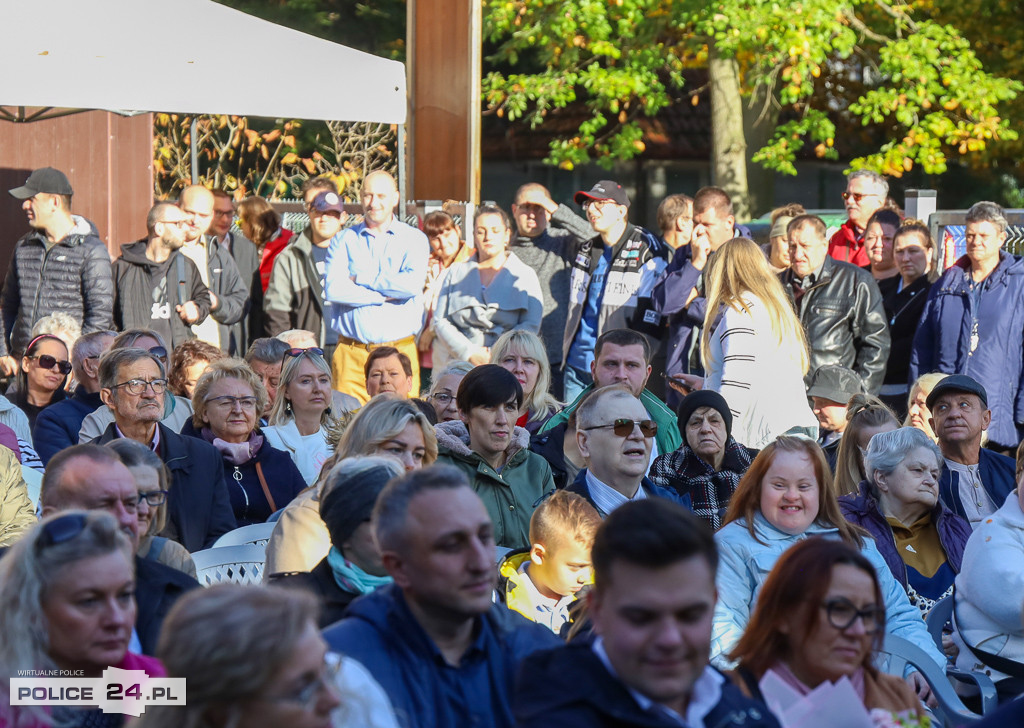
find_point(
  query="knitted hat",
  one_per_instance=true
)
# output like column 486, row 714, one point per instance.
column 704, row 398
column 350, row 502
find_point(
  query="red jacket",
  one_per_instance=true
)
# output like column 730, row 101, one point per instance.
column 269, row 253
column 846, row 245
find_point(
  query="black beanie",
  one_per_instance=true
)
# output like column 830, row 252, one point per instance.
column 704, row 398
column 350, row 502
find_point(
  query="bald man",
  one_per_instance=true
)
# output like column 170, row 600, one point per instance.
column 229, row 295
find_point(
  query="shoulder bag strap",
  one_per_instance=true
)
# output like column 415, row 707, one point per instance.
column 266, row 490
column 1003, row 664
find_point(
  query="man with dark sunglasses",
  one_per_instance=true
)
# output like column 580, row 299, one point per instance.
column 92, row 478
column 614, row 435
column 865, row 195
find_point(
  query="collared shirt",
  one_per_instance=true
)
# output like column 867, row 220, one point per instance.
column 975, row 499
column 154, row 446
column 552, row 613
column 375, row 282
column 606, row 498
column 706, row 693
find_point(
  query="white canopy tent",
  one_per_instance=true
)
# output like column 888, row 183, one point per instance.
column 186, row 56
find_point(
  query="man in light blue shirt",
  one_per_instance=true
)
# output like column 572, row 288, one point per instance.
column 375, row 275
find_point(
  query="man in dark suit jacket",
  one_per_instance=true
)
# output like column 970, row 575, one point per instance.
column 92, row 478
column 132, row 385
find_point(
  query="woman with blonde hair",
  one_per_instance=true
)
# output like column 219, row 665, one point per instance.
column 866, row 416
column 386, row 425
column 918, row 414
column 522, row 353
column 253, row 656
column 757, row 355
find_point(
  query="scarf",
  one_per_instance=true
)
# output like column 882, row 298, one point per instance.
column 710, row 490
column 236, row 453
column 782, row 671
column 350, row 577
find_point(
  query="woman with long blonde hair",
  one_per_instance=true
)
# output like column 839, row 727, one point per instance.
column 756, row 357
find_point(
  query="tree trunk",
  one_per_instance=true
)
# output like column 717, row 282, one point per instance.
column 728, row 144
column 758, row 130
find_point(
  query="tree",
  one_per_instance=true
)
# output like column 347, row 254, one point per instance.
column 921, row 84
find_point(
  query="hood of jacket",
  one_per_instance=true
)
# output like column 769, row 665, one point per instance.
column 454, row 437
column 135, row 253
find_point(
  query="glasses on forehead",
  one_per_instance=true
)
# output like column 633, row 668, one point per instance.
column 61, row 530
column 299, row 352
column 623, row 427
column 858, row 196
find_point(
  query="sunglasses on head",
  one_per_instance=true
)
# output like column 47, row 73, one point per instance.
column 60, row 530
column 45, row 361
column 623, row 427
column 159, row 352
column 299, row 352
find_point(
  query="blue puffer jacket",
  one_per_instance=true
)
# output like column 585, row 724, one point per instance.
column 863, row 510
column 569, row 687
column 943, row 339
column 744, row 565
column 381, row 632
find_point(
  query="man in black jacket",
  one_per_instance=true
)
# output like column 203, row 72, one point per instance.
column 155, row 286
column 652, row 606
column 90, row 477
column 199, row 510
column 839, row 305
column 60, row 266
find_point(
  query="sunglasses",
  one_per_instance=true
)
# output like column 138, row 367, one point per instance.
column 159, row 352
column 623, row 427
column 60, row 530
column 299, row 352
column 45, row 361
column 858, row 196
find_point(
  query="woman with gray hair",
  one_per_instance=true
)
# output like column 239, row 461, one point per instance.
column 920, row 539
column 253, row 656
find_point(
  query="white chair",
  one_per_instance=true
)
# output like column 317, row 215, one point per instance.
column 240, row 564
column 257, row 533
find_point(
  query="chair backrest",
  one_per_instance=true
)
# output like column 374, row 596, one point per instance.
column 257, row 533
column 902, row 653
column 938, row 618
column 240, row 564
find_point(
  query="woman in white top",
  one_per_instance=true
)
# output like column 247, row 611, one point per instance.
column 756, row 357
column 485, row 296
column 300, row 418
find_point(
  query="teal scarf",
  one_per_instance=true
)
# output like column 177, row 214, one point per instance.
column 350, row 577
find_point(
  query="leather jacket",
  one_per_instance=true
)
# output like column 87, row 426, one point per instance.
column 844, row 320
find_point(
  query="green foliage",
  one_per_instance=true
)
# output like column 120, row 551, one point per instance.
column 926, row 90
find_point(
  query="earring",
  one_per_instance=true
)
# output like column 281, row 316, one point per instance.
column 288, row 407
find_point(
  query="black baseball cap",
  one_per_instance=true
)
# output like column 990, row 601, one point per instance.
column 46, row 180
column 606, row 189
column 957, row 383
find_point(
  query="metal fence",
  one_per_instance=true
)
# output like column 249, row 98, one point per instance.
column 948, row 228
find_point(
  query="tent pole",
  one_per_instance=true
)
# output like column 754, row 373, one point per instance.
column 194, row 148
column 401, row 166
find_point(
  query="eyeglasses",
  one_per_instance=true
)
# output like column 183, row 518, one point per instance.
column 175, row 223
column 153, row 497
column 326, row 680
column 136, row 387
column 842, row 613
column 624, row 427
column 442, row 398
column 46, row 361
column 858, row 196
column 60, row 530
column 227, row 402
column 224, row 213
column 597, row 204
column 299, row 352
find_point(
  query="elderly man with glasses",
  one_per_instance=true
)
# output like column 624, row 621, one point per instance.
column 614, row 435
column 133, row 384
column 865, row 195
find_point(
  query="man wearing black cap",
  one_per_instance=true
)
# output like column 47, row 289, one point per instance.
column 295, row 294
column 975, row 482
column 830, row 389
column 353, row 565
column 610, row 284
column 60, row 266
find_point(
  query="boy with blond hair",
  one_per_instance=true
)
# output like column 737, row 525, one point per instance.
column 541, row 582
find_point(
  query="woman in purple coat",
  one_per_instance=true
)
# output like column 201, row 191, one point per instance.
column 920, row 539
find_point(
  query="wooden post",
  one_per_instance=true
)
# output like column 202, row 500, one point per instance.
column 444, row 85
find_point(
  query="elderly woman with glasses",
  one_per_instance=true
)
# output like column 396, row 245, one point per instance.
column 67, row 602
column 819, row 618
column 301, row 417
column 920, row 539
column 44, row 371
column 260, row 478
column 443, row 388
column 253, row 656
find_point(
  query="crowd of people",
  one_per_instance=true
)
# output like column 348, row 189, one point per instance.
column 560, row 470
